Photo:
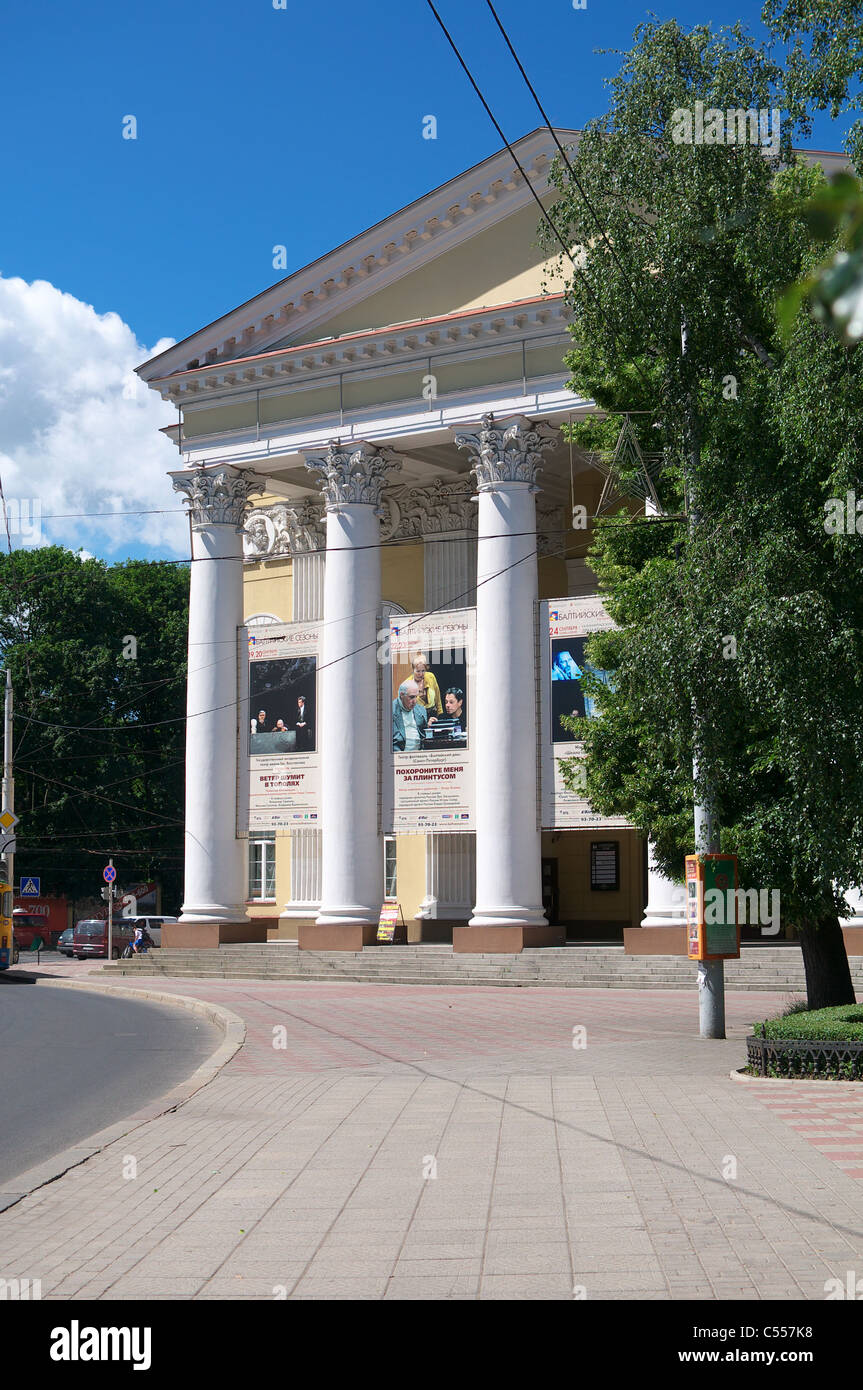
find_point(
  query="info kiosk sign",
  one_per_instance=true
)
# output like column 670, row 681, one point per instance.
column 712, row 929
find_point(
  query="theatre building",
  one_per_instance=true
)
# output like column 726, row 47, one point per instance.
column 390, row 598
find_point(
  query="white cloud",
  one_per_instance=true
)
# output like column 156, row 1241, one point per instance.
column 78, row 431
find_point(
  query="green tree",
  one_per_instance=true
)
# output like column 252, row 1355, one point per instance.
column 98, row 661
column 753, row 617
column 823, row 73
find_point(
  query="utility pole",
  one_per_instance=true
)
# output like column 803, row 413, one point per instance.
column 711, row 973
column 111, row 912
column 8, row 794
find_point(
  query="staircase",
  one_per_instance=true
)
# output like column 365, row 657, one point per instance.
column 777, row 968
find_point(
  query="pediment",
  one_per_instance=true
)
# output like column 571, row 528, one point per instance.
column 472, row 237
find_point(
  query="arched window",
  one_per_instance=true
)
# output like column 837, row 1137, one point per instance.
column 262, row 620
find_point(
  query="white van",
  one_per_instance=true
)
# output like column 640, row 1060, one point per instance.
column 153, row 925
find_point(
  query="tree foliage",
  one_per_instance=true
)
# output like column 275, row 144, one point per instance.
column 754, row 615
column 98, row 661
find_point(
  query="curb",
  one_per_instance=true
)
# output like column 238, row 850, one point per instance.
column 746, row 1080
column 234, row 1030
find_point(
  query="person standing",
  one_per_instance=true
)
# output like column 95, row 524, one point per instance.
column 428, row 688
column 303, row 726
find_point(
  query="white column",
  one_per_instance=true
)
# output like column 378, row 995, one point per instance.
column 666, row 901
column 854, row 898
column 215, row 876
column 503, row 726
column 351, row 846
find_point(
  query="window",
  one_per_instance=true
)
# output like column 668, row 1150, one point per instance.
column 262, row 866
column 390, row 866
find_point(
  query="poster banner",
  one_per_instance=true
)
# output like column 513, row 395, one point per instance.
column 427, row 760
column 565, row 626
column 281, row 734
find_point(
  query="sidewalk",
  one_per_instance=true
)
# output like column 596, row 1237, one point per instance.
column 416, row 1142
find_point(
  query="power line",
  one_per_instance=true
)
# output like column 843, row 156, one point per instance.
column 131, row 728
column 603, row 312
column 367, row 646
column 566, row 158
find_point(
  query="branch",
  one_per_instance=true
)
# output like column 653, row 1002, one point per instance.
column 757, row 347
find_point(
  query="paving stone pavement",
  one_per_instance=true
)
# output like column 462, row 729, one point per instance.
column 384, row 1141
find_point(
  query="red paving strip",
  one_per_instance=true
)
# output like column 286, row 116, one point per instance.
column 828, row 1120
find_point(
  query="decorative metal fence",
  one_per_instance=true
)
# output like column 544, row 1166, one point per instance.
column 814, row 1058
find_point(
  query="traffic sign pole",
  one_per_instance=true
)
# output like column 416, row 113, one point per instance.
column 110, row 905
column 8, row 783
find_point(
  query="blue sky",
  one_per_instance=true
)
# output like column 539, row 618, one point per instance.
column 257, row 127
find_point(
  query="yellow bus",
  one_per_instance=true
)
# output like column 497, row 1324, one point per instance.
column 8, row 949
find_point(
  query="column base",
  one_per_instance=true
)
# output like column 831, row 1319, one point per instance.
column 213, row 912
column 336, row 936
column 663, row 919
column 509, row 940
column 508, row 917
column 197, row 935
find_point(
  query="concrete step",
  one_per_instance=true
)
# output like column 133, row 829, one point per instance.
column 778, row 968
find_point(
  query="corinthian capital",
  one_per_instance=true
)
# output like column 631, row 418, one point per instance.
column 507, row 453
column 356, row 475
column 217, row 498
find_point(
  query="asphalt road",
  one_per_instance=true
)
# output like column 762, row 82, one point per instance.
column 73, row 1061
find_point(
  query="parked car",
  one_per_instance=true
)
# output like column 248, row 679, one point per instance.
column 64, row 942
column 91, row 937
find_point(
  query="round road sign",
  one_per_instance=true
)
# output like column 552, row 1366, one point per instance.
column 109, row 873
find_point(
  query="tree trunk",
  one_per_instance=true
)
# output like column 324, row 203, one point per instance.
column 825, row 960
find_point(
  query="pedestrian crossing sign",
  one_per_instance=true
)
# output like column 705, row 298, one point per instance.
column 31, row 887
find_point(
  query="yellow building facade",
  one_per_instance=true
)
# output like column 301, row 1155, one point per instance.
column 378, row 435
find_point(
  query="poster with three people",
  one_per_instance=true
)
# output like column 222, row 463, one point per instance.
column 426, row 723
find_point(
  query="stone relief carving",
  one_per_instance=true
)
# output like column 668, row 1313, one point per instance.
column 424, row 511
column 283, row 529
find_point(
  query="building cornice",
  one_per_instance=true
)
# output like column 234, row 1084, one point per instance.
column 373, row 350
column 472, row 202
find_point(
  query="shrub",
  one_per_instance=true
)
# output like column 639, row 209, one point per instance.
column 841, row 1023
